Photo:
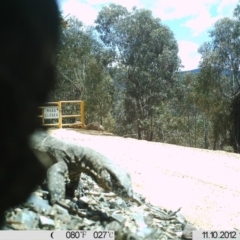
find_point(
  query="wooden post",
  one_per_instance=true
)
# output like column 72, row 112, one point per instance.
column 82, row 114
column 60, row 114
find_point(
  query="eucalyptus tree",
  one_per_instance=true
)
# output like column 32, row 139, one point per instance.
column 146, row 50
column 235, row 105
column 82, row 70
column 219, row 80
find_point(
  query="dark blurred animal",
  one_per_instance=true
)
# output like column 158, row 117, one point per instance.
column 29, row 37
column 235, row 122
column 95, row 126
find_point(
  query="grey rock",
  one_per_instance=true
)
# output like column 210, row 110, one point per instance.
column 85, row 199
column 56, row 209
column 118, row 217
column 117, row 204
column 181, row 218
column 187, row 231
column 27, row 219
column 148, row 219
column 113, row 204
column 63, row 218
column 88, row 222
column 133, row 221
column 179, row 234
column 145, row 232
column 75, row 224
column 121, row 203
column 114, row 225
column 138, row 216
column 38, row 204
column 102, row 198
column 46, row 222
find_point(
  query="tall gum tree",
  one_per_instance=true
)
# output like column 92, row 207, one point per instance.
column 147, row 51
column 219, row 80
column 82, row 71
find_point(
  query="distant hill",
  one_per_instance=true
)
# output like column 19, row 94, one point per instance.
column 194, row 71
column 225, row 72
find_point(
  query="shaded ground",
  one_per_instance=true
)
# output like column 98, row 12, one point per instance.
column 204, row 183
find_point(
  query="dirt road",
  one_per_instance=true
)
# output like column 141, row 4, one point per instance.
column 206, row 184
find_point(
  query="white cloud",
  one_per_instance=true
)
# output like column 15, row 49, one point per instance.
column 226, row 7
column 198, row 12
column 82, row 11
column 129, row 4
column 188, row 53
column 201, row 22
column 86, row 10
column 172, row 9
column 198, row 16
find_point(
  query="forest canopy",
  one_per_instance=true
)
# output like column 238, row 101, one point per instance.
column 127, row 70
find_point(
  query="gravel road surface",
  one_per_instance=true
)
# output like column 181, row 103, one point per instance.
column 205, row 183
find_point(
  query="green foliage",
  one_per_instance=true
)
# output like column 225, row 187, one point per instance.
column 219, row 78
column 146, row 51
column 82, row 72
column 130, row 81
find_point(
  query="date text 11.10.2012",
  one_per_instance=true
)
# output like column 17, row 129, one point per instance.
column 224, row 234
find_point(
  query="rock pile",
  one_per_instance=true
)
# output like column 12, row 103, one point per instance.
column 96, row 209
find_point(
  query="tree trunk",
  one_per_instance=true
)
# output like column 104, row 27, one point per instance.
column 195, row 131
column 206, row 134
column 139, row 128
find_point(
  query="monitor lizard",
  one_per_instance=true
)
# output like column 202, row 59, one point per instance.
column 65, row 159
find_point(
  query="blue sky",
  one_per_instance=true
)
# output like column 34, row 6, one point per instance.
column 189, row 20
